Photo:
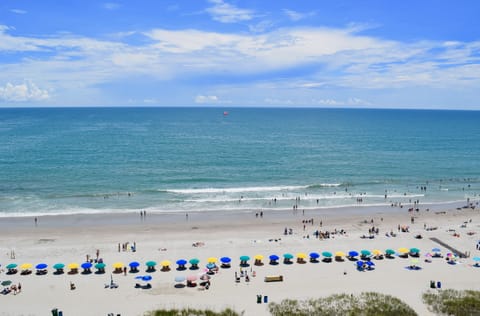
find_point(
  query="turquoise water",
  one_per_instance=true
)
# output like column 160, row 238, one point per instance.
column 84, row 160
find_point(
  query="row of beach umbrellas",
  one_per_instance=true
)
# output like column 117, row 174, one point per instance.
column 225, row 261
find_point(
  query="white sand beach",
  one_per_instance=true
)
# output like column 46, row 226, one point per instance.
column 159, row 237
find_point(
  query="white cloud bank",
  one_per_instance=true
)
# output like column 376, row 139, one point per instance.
column 206, row 99
column 27, row 91
column 228, row 13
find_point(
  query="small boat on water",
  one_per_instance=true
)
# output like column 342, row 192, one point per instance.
column 225, row 113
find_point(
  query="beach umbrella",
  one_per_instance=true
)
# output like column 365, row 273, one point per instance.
column 194, row 261
column 244, row 258
column 181, row 262
column 365, row 252
column 314, row 255
column 150, row 264
column 26, row 266
column 225, row 260
column 353, row 253
column 11, row 266
column 414, row 250
column 212, row 260
column 6, row 282
column 274, row 257
column 204, row 277
column 258, row 257
column 210, row 266
column 165, row 263
column 436, row 250
column 403, row 250
column 134, row 264
column 288, row 256
column 58, row 266
column 41, row 266
column 370, row 263
column 100, row 265
column 476, row 259
column 301, row 255
column 339, row 254
column 146, row 278
column 73, row 265
column 117, row 265
column 327, row 254
column 390, row 252
column 191, row 278
column 360, row 263
column 180, row 278
column 376, row 252
column 86, row 265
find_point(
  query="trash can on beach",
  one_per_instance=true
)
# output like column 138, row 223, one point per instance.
column 265, row 299
column 259, row 299
column 439, row 285
column 60, row 313
column 55, row 312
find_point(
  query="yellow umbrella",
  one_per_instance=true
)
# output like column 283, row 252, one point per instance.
column 165, row 263
column 340, row 254
column 301, row 255
column 258, row 257
column 376, row 252
column 73, row 265
column 403, row 250
column 212, row 260
column 118, row 265
column 26, row 266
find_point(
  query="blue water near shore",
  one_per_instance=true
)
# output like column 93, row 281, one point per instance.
column 90, row 160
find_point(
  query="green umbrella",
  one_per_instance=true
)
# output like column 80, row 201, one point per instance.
column 11, row 266
column 327, row 254
column 100, row 265
column 194, row 261
column 6, row 283
column 58, row 266
column 244, row 258
column 390, row 252
column 151, row 263
column 365, row 253
column 414, row 250
column 288, row 256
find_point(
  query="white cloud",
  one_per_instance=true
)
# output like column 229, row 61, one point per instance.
column 227, row 13
column 206, row 99
column 18, row 11
column 297, row 16
column 27, row 91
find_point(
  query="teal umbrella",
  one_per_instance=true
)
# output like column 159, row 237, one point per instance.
column 287, row 256
column 100, row 265
column 6, row 283
column 150, row 263
column 58, row 266
column 194, row 261
column 390, row 252
column 11, row 266
column 327, row 254
column 244, row 258
column 365, row 253
column 414, row 250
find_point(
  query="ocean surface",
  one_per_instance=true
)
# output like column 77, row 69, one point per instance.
column 102, row 160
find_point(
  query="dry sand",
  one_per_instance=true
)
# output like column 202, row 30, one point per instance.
column 161, row 237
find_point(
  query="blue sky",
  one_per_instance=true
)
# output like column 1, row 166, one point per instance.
column 361, row 54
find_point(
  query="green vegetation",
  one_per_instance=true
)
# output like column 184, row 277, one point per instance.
column 365, row 304
column 453, row 302
column 192, row 312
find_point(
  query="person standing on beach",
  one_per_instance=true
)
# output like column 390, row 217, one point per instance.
column 36, row 221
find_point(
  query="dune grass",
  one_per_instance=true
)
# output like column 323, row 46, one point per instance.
column 453, row 302
column 192, row 312
column 365, row 304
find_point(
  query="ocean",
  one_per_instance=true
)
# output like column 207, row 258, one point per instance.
column 104, row 160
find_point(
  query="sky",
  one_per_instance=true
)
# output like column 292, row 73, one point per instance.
column 232, row 53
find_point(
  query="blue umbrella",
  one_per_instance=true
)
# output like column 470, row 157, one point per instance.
column 134, row 264
column 41, row 266
column 314, row 255
column 352, row 253
column 369, row 263
column 210, row 265
column 476, row 259
column 86, row 265
column 181, row 262
column 180, row 278
column 144, row 278
column 274, row 257
column 436, row 250
column 225, row 260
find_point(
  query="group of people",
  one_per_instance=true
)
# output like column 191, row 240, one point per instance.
column 13, row 288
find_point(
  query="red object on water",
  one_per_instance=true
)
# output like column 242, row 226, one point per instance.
column 225, row 113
